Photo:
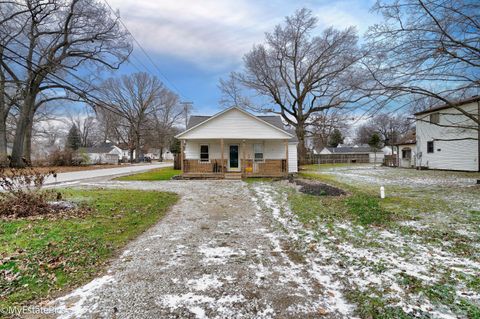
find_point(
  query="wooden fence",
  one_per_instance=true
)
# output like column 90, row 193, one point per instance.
column 335, row 158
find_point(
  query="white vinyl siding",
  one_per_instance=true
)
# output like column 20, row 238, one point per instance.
column 271, row 149
column 258, row 152
column 379, row 156
column 449, row 155
column 235, row 124
column 292, row 157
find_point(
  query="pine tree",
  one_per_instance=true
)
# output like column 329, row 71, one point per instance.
column 336, row 138
column 73, row 138
column 375, row 143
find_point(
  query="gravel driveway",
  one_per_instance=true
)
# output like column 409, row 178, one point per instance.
column 217, row 254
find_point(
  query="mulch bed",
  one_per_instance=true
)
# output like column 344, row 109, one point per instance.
column 317, row 188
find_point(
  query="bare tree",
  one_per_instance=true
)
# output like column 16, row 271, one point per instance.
column 429, row 49
column 57, row 37
column 166, row 116
column 301, row 73
column 390, row 128
column 86, row 123
column 134, row 97
column 324, row 123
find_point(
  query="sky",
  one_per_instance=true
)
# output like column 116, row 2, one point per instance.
column 194, row 43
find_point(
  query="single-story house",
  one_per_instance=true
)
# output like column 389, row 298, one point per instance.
column 104, row 153
column 235, row 143
column 154, row 153
column 447, row 138
column 351, row 154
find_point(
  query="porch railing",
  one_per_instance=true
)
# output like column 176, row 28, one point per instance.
column 267, row 167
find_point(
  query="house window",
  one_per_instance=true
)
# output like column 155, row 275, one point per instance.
column 435, row 118
column 406, row 153
column 204, row 153
column 258, row 151
column 430, row 147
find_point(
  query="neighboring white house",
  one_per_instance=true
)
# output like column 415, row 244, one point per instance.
column 235, row 142
column 352, row 154
column 447, row 138
column 154, row 153
column 104, row 153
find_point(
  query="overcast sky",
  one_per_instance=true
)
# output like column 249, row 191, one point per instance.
column 196, row 42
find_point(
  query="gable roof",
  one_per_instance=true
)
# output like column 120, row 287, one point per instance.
column 273, row 121
column 100, row 148
column 474, row 98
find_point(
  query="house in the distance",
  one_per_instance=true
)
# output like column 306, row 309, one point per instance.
column 447, row 138
column 235, row 143
column 159, row 154
column 351, row 154
column 104, row 153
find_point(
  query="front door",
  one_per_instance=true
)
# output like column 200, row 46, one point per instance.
column 233, row 158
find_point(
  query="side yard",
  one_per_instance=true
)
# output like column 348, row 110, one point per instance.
column 414, row 254
column 40, row 257
column 160, row 174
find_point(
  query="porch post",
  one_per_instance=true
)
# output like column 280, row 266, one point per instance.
column 222, row 149
column 286, row 157
column 182, row 156
column 242, row 167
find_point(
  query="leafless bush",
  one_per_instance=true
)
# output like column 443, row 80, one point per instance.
column 65, row 157
column 22, row 195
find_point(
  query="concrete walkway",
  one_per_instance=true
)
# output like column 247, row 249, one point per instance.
column 73, row 177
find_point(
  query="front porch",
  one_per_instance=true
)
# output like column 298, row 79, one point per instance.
column 234, row 159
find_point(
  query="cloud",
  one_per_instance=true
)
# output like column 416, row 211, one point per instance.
column 215, row 34
column 209, row 33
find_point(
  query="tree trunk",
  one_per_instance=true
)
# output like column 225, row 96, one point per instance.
column 137, row 153
column 27, row 144
column 131, row 154
column 3, row 143
column 20, row 132
column 301, row 148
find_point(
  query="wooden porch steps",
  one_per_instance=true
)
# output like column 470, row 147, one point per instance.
column 233, row 176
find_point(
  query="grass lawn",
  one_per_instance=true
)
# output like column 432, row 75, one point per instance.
column 41, row 257
column 414, row 254
column 160, row 174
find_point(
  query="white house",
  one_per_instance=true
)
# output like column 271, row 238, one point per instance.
column 407, row 154
column 154, row 153
column 104, row 153
column 447, row 138
column 235, row 143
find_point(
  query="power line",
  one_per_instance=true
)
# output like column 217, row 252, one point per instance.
column 144, row 51
column 80, row 90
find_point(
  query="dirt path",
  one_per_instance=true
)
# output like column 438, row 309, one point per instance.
column 217, row 254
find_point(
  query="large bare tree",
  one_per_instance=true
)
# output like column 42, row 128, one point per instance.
column 56, row 38
column 429, row 49
column 134, row 98
column 167, row 115
column 301, row 72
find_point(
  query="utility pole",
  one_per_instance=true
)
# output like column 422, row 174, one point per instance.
column 187, row 107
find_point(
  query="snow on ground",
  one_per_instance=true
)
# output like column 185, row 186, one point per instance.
column 344, row 265
column 69, row 310
column 366, row 174
column 214, row 255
